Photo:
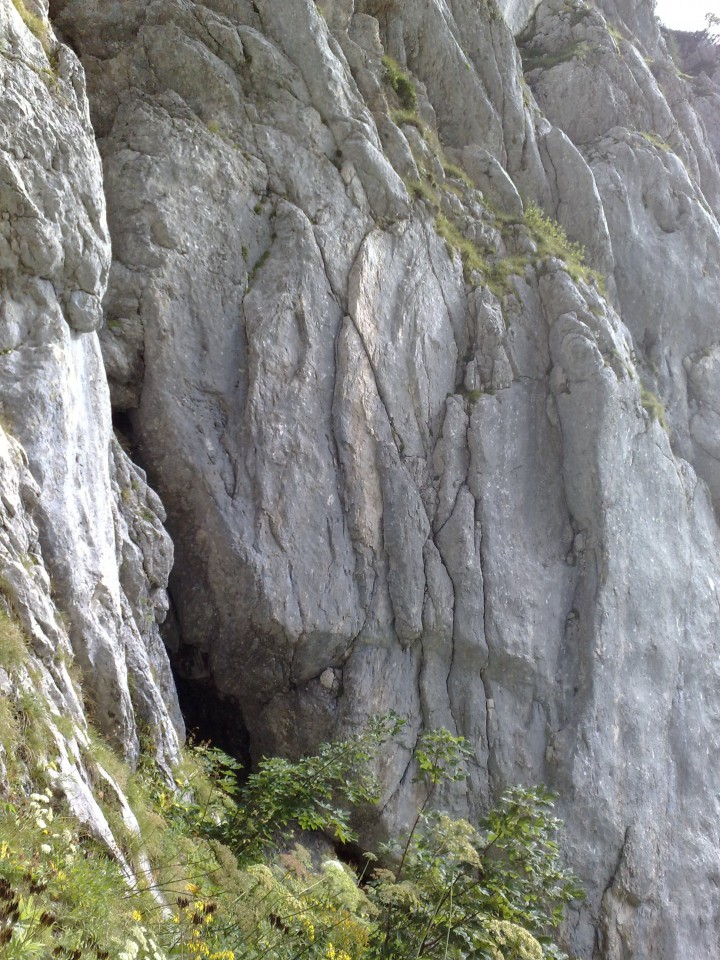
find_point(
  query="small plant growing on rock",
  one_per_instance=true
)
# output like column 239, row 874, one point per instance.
column 36, row 25
column 13, row 648
column 655, row 140
column 552, row 241
column 401, row 83
column 409, row 117
column 654, row 407
column 551, row 237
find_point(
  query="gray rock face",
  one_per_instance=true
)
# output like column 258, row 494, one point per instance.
column 517, row 12
column 655, row 173
column 410, row 461
column 100, row 530
column 44, row 676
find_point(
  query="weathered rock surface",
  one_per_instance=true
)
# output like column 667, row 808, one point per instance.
column 40, row 689
column 100, row 536
column 394, row 479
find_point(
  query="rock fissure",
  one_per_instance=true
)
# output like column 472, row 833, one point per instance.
column 390, row 485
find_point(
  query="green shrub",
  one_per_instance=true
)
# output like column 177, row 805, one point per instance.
column 58, row 894
column 423, row 190
column 472, row 259
column 495, row 891
column 400, row 82
column 237, row 887
column 550, row 236
column 499, row 274
column 552, row 241
column 617, row 36
column 315, row 793
column 476, row 267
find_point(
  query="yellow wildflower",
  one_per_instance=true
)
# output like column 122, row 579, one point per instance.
column 199, row 947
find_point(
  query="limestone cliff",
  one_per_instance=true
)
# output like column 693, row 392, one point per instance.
column 84, row 559
column 415, row 454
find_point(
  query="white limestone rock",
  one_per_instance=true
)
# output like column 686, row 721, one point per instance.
column 53, row 392
column 397, row 481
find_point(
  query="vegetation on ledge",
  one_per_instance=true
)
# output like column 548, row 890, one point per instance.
column 231, row 881
column 213, row 865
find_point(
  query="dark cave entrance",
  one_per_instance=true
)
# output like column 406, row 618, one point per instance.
column 209, row 717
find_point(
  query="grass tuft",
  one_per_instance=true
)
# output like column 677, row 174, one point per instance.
column 36, row 25
column 400, row 117
column 401, row 83
column 423, row 190
column 13, row 648
column 654, row 407
column 552, row 241
column 472, row 260
column 456, row 172
column 655, row 140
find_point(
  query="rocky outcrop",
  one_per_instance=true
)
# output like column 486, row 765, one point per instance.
column 44, row 731
column 94, row 574
column 415, row 455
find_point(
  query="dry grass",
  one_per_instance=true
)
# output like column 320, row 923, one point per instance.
column 36, row 25
column 13, row 649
